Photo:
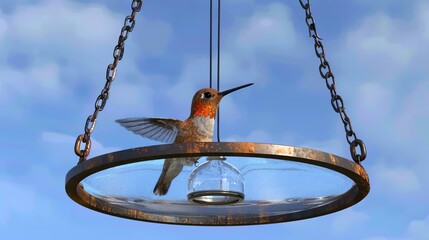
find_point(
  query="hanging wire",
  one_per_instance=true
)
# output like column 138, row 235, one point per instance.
column 211, row 43
column 218, row 66
column 218, row 56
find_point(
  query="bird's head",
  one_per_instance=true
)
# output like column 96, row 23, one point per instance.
column 206, row 101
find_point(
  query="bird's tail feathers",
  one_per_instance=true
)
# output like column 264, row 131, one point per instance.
column 161, row 188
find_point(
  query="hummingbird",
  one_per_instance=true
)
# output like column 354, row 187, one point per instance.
column 198, row 127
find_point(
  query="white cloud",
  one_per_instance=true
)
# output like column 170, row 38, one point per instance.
column 63, row 46
column 235, row 70
column 156, row 36
column 57, row 138
column 418, row 229
column 42, row 81
column 66, row 141
column 348, row 220
column 194, row 76
column 396, row 180
column 384, row 58
column 386, row 49
column 3, row 26
column 268, row 31
column 413, row 116
column 60, row 32
column 130, row 99
column 64, row 26
column 21, row 202
column 425, row 21
column 376, row 101
column 16, row 200
column 255, row 40
column 381, row 46
column 383, row 62
column 257, row 135
column 64, row 32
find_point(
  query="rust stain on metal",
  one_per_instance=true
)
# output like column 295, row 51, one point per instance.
column 110, row 158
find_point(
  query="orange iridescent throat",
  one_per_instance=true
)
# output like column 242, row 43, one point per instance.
column 203, row 110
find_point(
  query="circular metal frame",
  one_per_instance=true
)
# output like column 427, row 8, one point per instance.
column 341, row 165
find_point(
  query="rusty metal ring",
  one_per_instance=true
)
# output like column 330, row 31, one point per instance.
column 83, row 153
column 358, row 157
column 265, row 211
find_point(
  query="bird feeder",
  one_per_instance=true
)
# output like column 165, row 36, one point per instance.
column 236, row 183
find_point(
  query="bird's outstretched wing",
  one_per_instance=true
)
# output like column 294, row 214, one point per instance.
column 158, row 129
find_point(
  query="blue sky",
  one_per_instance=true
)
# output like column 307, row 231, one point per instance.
column 53, row 55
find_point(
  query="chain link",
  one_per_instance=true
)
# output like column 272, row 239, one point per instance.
column 336, row 100
column 101, row 100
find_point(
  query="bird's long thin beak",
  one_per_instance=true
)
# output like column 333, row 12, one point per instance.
column 226, row 92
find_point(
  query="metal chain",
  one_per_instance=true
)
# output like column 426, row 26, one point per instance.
column 336, row 100
column 101, row 101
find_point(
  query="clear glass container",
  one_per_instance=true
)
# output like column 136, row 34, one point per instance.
column 216, row 182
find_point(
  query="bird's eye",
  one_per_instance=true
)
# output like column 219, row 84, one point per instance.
column 207, row 95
